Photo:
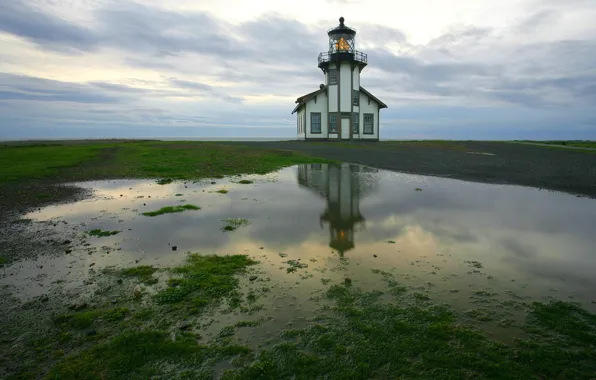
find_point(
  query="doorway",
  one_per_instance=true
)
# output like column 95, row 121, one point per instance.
column 345, row 128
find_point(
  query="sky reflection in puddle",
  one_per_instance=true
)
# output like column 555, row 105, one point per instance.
column 445, row 238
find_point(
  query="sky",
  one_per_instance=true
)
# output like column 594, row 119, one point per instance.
column 459, row 69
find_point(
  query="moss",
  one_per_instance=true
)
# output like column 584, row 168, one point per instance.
column 247, row 324
column 171, row 209
column 484, row 293
column 231, row 224
column 143, row 273
column 101, row 233
column 474, row 264
column 480, row 314
column 361, row 338
column 207, row 279
column 142, row 355
column 82, row 320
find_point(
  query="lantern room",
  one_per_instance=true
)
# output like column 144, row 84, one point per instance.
column 341, row 38
column 342, row 47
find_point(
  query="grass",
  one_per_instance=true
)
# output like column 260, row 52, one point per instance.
column 41, row 161
column 576, row 143
column 222, row 191
column 162, row 160
column 204, row 280
column 3, row 260
column 143, row 355
column 101, row 233
column 362, row 338
column 82, row 320
column 164, row 181
column 245, row 181
column 231, row 224
column 144, row 273
column 171, row 209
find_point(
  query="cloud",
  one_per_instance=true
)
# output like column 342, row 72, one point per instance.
column 189, row 62
column 205, row 89
column 43, row 29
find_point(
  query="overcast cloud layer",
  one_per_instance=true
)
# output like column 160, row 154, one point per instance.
column 474, row 70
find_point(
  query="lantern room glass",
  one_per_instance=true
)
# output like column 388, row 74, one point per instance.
column 341, row 43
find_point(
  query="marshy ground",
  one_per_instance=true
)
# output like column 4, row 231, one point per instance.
column 175, row 260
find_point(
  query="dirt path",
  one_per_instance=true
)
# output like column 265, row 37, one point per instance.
column 506, row 163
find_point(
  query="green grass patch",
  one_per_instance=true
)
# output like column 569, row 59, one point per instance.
column 41, row 161
column 82, row 320
column 163, row 160
column 164, row 181
column 222, row 191
column 231, row 224
column 245, row 181
column 143, row 273
column 102, row 233
column 171, row 210
column 3, row 260
column 360, row 337
column 474, row 264
column 204, row 280
column 144, row 355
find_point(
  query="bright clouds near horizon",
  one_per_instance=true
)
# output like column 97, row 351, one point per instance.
column 457, row 69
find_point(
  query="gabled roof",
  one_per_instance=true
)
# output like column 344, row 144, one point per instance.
column 305, row 98
column 381, row 104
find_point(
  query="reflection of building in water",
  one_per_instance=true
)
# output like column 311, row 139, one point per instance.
column 342, row 185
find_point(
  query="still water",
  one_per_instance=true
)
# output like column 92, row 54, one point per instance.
column 469, row 245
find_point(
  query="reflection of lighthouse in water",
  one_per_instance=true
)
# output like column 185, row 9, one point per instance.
column 342, row 185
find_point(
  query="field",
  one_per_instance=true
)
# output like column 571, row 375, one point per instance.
column 216, row 313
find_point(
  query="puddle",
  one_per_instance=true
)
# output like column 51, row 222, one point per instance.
column 479, row 248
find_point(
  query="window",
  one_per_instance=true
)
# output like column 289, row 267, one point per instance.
column 356, row 96
column 369, row 122
column 315, row 122
column 355, row 117
column 332, row 122
column 332, row 76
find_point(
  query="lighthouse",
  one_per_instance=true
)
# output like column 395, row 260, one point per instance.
column 341, row 109
column 342, row 186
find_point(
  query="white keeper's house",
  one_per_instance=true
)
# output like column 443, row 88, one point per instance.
column 341, row 109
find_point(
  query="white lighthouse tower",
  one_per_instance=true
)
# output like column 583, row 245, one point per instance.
column 341, row 109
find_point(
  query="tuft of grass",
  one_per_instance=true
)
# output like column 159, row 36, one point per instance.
column 474, row 264
column 102, row 233
column 222, row 191
column 480, row 314
column 82, row 320
column 3, row 260
column 171, row 209
column 418, row 189
column 142, row 272
column 231, row 224
column 245, row 181
column 164, row 181
column 247, row 324
column 205, row 280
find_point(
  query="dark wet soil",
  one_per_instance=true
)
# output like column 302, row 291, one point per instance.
column 520, row 164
